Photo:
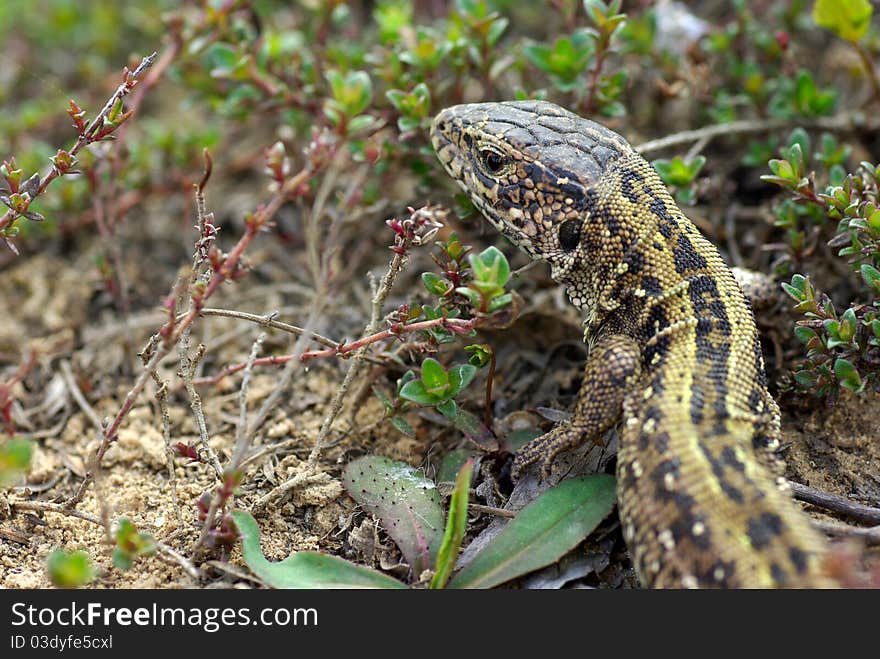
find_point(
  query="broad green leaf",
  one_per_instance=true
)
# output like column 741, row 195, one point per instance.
column 414, row 390
column 448, row 408
column 848, row 375
column 456, row 524
column 304, row 569
column 848, row 19
column 406, row 502
column 542, row 532
column 434, row 377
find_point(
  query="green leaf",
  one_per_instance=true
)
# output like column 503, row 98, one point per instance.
column 475, row 430
column 490, row 266
column 848, row 375
column 480, row 354
column 460, row 376
column 678, row 172
column 806, row 379
column 797, row 289
column 451, row 464
column 402, row 426
column 304, row 569
column 848, row 19
column 472, row 296
column 122, row 560
column 221, row 59
column 783, row 169
column 415, row 391
column 352, row 92
column 805, row 334
column 448, row 408
column 565, row 60
column 871, row 276
column 392, row 18
column 500, row 301
column 407, row 503
column 434, row 284
column 456, row 524
column 70, row 570
column 435, row 378
column 800, row 138
column 848, row 324
column 15, row 460
column 542, row 532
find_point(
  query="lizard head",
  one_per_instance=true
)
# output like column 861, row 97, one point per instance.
column 530, row 167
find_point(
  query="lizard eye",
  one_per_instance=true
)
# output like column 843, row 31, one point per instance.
column 570, row 233
column 494, row 161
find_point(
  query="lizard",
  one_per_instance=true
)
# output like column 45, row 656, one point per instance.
column 675, row 357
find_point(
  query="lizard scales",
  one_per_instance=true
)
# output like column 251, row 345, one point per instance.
column 674, row 350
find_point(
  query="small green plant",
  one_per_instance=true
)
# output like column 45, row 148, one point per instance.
column 575, row 62
column 471, row 285
column 438, row 386
column 491, row 273
column 15, row 460
column 130, row 544
column 681, row 175
column 842, row 349
column 70, row 569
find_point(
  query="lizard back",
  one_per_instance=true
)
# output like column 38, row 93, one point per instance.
column 698, row 484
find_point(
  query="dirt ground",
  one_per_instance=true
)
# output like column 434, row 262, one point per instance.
column 47, row 300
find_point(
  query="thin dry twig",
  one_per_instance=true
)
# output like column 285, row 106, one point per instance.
column 241, row 431
column 274, row 360
column 491, row 510
column 180, row 559
column 162, row 401
column 843, row 122
column 76, row 392
column 303, row 477
column 164, row 341
column 835, row 503
column 188, row 365
column 50, row 507
column 871, row 535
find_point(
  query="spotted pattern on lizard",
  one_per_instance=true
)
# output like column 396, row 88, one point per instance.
column 675, row 355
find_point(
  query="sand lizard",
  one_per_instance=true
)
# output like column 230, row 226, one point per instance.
column 675, row 355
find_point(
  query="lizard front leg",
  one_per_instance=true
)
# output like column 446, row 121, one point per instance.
column 613, row 366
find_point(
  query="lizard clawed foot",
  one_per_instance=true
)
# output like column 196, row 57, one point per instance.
column 544, row 449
